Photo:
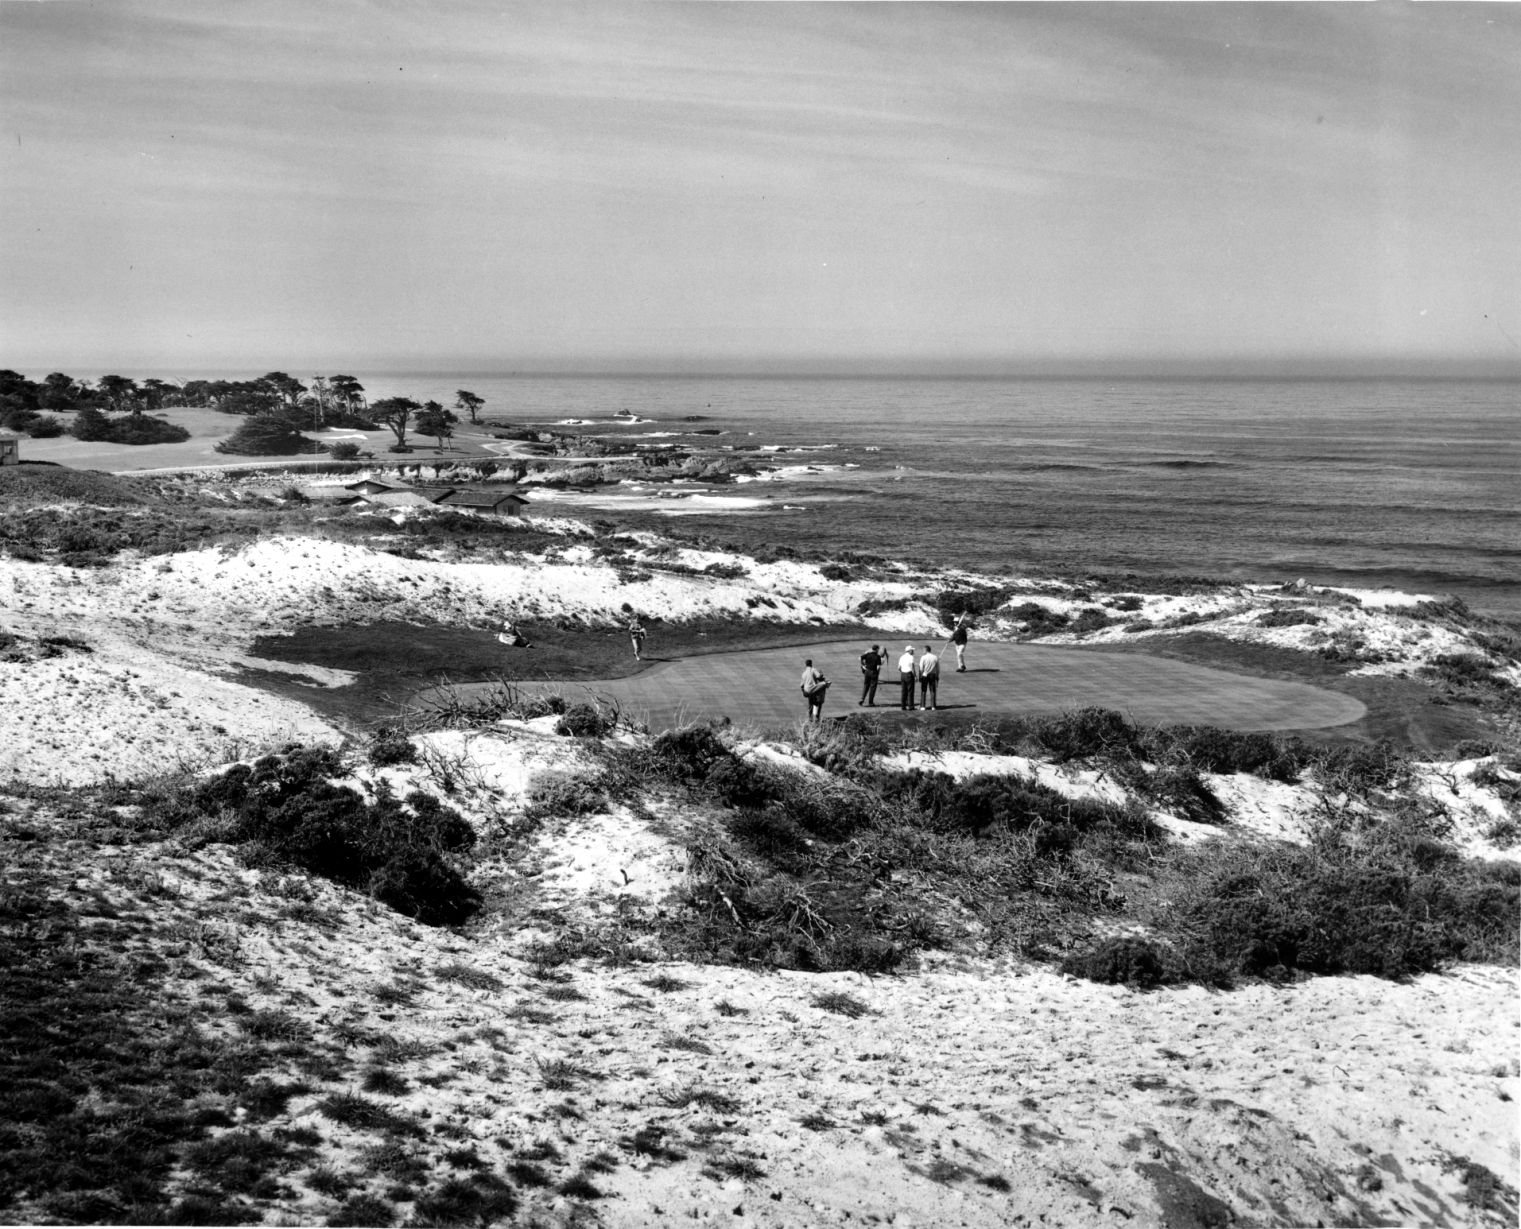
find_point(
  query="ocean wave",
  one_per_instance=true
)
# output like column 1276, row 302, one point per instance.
column 1188, row 464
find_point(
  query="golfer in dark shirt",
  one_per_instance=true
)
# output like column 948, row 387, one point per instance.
column 871, row 669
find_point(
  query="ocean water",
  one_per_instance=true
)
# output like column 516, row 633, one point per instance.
column 1414, row 484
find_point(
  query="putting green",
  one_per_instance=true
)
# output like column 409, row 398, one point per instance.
column 760, row 687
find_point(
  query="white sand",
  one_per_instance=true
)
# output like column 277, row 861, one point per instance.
column 1335, row 1101
column 171, row 637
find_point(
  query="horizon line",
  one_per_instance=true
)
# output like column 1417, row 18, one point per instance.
column 1489, row 371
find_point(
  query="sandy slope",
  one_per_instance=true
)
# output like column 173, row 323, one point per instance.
column 169, row 637
column 968, row 1093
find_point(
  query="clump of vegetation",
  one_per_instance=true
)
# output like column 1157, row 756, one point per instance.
column 467, row 975
column 950, row 603
column 1284, row 617
column 1392, row 900
column 450, row 708
column 352, row 1110
column 564, row 795
column 390, row 746
column 586, row 721
column 802, row 875
column 1125, row 960
column 1089, row 619
column 133, row 428
column 1039, row 620
column 1388, row 898
column 842, row 1003
column 482, row 1198
column 1465, row 670
column 274, row 433
column 859, row 869
column 286, row 809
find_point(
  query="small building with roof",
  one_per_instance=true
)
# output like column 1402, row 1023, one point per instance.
column 10, row 449
column 485, row 503
column 397, row 499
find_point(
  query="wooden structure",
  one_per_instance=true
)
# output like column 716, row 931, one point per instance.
column 10, row 450
column 485, row 503
column 397, row 499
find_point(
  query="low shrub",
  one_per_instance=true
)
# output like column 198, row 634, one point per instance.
column 1127, row 961
column 1392, row 901
column 950, row 603
column 1089, row 619
column 725, row 571
column 1287, row 618
column 1039, row 620
column 882, row 605
column 585, row 721
column 453, row 709
column 1190, row 618
column 287, row 805
column 1125, row 601
column 147, row 429
column 1360, row 768
column 363, row 1210
column 564, row 795
column 836, row 571
column 90, row 424
column 1179, row 788
column 390, row 747
column 343, row 450
column 1086, row 733
column 807, row 872
column 1212, row 749
column 1464, row 670
column 1454, row 609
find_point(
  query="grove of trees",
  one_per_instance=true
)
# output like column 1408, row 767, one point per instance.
column 278, row 408
column 436, row 421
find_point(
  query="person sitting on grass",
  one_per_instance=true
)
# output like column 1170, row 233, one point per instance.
column 636, row 634
column 906, row 676
column 929, row 679
column 512, row 637
column 814, row 686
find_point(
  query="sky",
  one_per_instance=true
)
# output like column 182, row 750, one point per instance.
column 943, row 188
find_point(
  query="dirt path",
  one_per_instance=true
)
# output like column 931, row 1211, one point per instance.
column 760, row 687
